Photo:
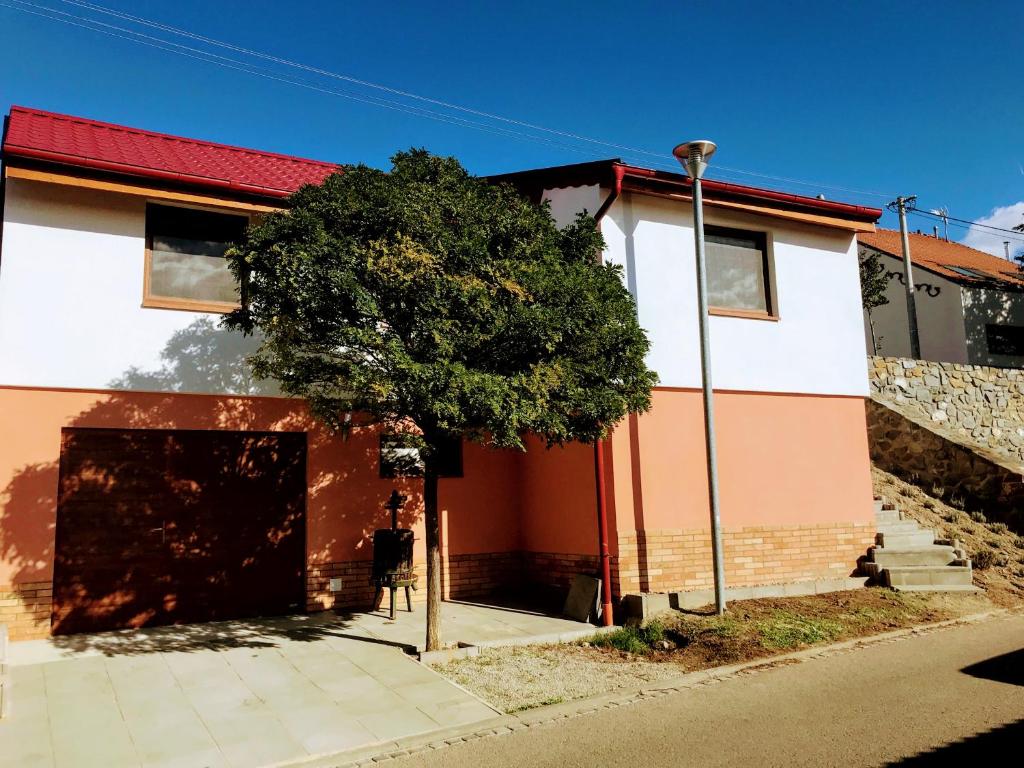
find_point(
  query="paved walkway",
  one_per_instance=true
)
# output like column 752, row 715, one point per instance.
column 247, row 694
column 950, row 697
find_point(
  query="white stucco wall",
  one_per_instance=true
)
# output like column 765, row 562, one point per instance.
column 940, row 316
column 71, row 310
column 568, row 202
column 816, row 346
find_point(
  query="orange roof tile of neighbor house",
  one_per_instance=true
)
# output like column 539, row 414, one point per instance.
column 959, row 263
column 82, row 143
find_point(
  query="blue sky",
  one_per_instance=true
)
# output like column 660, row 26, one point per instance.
column 890, row 98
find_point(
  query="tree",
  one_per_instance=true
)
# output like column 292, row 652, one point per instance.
column 873, row 282
column 441, row 306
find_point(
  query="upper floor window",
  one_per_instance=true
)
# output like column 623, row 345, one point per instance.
column 739, row 280
column 1004, row 339
column 185, row 264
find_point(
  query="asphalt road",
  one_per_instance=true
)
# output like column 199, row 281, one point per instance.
column 927, row 700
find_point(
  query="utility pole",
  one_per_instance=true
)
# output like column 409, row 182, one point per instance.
column 901, row 204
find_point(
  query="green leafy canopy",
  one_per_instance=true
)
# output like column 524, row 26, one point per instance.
column 430, row 296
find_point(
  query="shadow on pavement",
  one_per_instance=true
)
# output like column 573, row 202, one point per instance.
column 1008, row 668
column 996, row 743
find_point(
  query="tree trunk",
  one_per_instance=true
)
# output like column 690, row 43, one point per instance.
column 871, row 326
column 433, row 531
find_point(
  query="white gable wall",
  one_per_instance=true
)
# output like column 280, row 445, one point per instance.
column 71, row 310
column 816, row 346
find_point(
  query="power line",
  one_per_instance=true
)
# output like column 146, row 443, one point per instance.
column 234, row 64
column 1011, row 234
column 209, row 57
column 159, row 43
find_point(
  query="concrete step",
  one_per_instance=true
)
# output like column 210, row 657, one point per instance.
column 881, row 505
column 872, row 570
column 927, row 575
column 900, row 526
column 888, row 516
column 934, row 555
column 920, row 538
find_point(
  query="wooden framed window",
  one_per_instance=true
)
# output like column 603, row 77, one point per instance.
column 739, row 273
column 185, row 264
column 400, row 458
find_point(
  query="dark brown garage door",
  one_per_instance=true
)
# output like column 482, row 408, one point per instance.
column 167, row 527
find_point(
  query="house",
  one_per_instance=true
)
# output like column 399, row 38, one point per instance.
column 147, row 478
column 970, row 304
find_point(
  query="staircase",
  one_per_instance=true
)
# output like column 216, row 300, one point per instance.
column 908, row 558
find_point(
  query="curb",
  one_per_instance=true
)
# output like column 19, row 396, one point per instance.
column 553, row 713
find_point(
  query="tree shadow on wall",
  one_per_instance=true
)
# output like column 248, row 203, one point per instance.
column 202, row 357
column 142, row 537
column 1004, row 311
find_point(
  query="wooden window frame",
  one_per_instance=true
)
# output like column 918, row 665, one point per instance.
column 149, row 301
column 764, row 241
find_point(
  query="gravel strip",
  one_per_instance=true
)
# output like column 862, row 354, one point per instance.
column 514, row 679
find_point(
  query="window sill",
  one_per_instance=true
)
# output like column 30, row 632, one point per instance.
column 189, row 305
column 746, row 314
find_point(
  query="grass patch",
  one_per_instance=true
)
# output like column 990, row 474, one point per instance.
column 784, row 630
column 638, row 640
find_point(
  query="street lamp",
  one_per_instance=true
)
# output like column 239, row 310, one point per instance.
column 693, row 156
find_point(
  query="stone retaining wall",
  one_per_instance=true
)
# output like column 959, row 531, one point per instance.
column 911, row 448
column 979, row 406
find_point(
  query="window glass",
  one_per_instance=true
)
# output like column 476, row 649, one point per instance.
column 400, row 458
column 1005, row 339
column 187, row 249
column 737, row 270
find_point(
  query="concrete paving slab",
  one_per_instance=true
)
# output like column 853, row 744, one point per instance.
column 248, row 693
column 191, row 743
column 398, row 721
column 322, row 730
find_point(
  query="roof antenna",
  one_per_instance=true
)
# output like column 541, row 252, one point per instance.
column 942, row 213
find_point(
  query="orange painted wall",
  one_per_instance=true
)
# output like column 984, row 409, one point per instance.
column 783, row 460
column 558, row 499
column 345, row 497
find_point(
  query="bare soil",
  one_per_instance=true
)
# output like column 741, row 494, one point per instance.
column 513, row 679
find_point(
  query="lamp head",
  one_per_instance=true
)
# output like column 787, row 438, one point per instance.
column 693, row 156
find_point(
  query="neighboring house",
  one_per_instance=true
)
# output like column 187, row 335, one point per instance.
column 970, row 304
column 146, row 478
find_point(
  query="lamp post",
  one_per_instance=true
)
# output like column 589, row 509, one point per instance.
column 693, row 155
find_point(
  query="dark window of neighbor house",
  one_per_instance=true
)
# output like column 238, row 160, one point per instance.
column 1005, row 339
column 398, row 458
column 739, row 279
column 185, row 265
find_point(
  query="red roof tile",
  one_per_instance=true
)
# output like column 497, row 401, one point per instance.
column 86, row 143
column 937, row 255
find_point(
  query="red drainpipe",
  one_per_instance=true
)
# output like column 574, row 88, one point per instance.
column 607, row 618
